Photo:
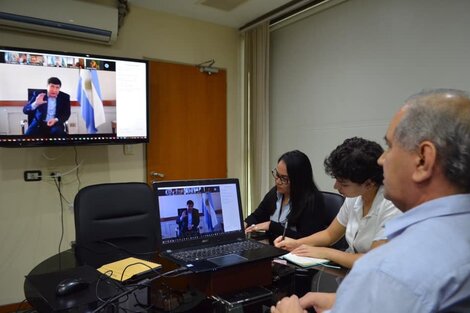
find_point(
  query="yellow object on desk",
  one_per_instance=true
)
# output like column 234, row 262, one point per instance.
column 124, row 269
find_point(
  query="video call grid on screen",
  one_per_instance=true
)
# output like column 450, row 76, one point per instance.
column 122, row 82
column 219, row 200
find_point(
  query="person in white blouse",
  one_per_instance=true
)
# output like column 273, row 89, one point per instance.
column 361, row 219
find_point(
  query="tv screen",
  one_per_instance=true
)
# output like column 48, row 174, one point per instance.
column 52, row 98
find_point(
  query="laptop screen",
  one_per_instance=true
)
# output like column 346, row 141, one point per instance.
column 198, row 211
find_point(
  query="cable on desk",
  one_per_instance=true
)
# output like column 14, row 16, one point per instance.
column 109, row 282
column 142, row 284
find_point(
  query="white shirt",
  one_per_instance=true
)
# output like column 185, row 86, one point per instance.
column 361, row 230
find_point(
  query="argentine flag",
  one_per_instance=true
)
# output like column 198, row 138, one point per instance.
column 89, row 97
column 209, row 213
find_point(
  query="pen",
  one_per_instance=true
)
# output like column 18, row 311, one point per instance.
column 285, row 228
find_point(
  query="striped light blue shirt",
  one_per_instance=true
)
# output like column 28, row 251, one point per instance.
column 51, row 108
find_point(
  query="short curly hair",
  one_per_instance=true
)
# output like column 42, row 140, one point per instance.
column 356, row 160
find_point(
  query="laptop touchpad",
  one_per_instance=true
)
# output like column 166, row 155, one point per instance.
column 228, row 259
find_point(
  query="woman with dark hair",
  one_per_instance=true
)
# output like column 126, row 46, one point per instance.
column 294, row 204
column 361, row 219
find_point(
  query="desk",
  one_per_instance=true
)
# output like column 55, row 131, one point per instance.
column 282, row 280
column 40, row 283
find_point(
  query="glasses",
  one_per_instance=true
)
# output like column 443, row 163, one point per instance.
column 283, row 178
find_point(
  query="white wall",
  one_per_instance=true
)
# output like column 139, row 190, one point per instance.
column 30, row 211
column 345, row 71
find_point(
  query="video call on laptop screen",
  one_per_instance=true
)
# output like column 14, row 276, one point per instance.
column 217, row 206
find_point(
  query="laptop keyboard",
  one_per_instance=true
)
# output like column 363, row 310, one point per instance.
column 210, row 252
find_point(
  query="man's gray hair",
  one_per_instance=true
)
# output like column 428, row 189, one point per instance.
column 441, row 116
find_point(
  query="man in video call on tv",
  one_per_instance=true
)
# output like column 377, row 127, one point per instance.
column 188, row 221
column 48, row 111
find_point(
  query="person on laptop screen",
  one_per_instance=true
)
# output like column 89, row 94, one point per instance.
column 358, row 177
column 188, row 221
column 295, row 200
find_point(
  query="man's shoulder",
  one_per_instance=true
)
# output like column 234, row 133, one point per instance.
column 413, row 255
column 63, row 95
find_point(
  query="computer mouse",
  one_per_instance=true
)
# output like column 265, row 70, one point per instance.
column 71, row 285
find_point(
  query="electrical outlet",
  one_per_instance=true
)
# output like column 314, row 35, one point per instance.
column 32, row 175
column 128, row 150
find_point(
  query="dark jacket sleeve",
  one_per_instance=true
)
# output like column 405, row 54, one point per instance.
column 28, row 109
column 264, row 210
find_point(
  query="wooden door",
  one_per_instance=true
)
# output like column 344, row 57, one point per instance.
column 187, row 123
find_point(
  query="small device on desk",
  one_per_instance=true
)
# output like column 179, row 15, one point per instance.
column 251, row 300
column 71, row 285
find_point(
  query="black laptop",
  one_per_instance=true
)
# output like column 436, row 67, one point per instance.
column 219, row 239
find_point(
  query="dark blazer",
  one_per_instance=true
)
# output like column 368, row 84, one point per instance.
column 36, row 116
column 183, row 221
column 312, row 219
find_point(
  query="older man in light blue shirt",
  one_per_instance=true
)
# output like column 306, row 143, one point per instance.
column 425, row 266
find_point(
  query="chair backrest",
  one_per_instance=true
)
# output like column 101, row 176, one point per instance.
column 31, row 92
column 115, row 221
column 333, row 202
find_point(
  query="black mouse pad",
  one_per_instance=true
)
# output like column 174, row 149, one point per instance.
column 42, row 289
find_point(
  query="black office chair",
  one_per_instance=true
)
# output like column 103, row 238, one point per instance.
column 114, row 221
column 305, row 279
column 333, row 202
column 321, row 281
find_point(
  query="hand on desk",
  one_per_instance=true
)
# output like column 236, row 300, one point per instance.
column 261, row 227
column 320, row 301
column 288, row 244
column 288, row 305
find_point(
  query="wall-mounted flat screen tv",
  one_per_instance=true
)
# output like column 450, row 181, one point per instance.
column 50, row 98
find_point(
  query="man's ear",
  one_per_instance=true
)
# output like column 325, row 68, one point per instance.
column 425, row 161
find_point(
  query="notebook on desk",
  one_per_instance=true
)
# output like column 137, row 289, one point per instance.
column 304, row 261
column 219, row 240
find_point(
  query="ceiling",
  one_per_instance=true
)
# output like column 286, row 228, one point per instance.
column 232, row 13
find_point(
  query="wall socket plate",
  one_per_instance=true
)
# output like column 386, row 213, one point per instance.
column 35, row 175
